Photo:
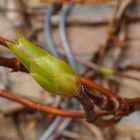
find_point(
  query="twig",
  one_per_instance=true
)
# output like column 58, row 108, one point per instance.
column 77, row 1
column 44, row 108
column 12, row 63
column 4, row 41
column 97, row 87
column 37, row 106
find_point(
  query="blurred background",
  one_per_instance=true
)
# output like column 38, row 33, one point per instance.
column 74, row 32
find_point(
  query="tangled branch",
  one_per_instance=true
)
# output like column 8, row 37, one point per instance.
column 109, row 103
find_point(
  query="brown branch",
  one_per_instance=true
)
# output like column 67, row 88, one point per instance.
column 98, row 87
column 3, row 41
column 115, row 24
column 78, row 1
column 123, row 75
column 133, row 101
column 55, row 111
column 45, row 108
column 37, row 106
column 12, row 63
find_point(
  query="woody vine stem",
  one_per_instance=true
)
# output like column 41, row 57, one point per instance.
column 108, row 102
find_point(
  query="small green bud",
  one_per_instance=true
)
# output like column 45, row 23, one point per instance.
column 51, row 73
column 104, row 70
